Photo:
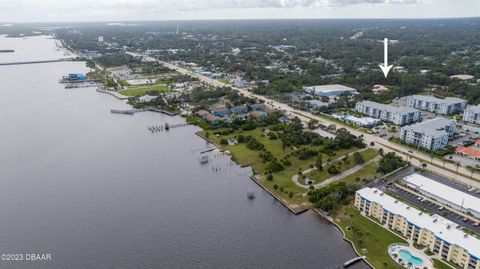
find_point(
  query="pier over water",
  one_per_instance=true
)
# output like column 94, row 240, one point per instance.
column 39, row 62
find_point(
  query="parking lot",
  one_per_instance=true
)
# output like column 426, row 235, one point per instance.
column 452, row 183
column 435, row 209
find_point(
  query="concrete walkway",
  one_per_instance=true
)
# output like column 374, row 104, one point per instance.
column 345, row 173
column 341, row 175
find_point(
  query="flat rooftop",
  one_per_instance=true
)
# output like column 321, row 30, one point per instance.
column 475, row 109
column 433, row 127
column 331, row 88
column 433, row 99
column 389, row 108
column 444, row 229
column 447, row 193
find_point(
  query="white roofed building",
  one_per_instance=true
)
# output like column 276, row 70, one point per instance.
column 146, row 98
column 396, row 115
column 329, row 90
column 432, row 134
column 447, row 106
column 442, row 237
column 472, row 114
column 444, row 194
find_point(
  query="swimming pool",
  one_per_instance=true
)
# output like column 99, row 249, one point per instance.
column 409, row 258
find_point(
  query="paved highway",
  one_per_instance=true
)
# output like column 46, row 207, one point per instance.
column 416, row 158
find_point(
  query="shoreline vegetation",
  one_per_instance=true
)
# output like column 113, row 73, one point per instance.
column 366, row 237
column 275, row 156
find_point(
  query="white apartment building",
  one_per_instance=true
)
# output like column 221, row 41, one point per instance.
column 441, row 236
column 447, row 106
column 432, row 134
column 472, row 114
column 396, row 115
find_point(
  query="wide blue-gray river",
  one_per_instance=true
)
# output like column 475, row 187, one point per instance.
column 98, row 190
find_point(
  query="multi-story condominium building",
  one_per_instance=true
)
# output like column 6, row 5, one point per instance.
column 432, row 134
column 447, row 106
column 444, row 194
column 396, row 115
column 472, row 114
column 441, row 236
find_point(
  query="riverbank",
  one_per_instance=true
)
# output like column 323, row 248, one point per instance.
column 367, row 237
column 280, row 186
column 295, row 208
column 113, row 93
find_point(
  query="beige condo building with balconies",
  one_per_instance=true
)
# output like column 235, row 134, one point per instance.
column 439, row 235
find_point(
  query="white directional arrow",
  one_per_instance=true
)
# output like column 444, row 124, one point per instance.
column 385, row 67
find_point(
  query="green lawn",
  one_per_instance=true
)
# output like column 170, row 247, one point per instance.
column 368, row 172
column 282, row 179
column 441, row 265
column 319, row 176
column 368, row 235
column 141, row 90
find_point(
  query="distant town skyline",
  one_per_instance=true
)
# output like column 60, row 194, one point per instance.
column 130, row 10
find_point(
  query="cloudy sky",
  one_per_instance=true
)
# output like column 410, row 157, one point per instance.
column 109, row 10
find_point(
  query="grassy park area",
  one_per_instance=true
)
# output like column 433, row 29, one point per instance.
column 142, row 90
column 367, row 173
column 281, row 183
column 341, row 165
column 369, row 238
column 247, row 157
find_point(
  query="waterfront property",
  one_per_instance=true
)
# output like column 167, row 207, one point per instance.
column 147, row 98
column 430, row 103
column 432, row 135
column 396, row 115
column 409, row 256
column 329, row 90
column 444, row 194
column 369, row 238
column 440, row 236
column 472, row 114
column 75, row 78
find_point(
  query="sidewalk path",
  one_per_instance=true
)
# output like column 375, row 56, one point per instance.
column 341, row 175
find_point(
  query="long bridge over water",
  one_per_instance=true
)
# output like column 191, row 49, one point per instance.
column 39, row 62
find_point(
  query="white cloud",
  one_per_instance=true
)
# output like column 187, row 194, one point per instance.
column 51, row 10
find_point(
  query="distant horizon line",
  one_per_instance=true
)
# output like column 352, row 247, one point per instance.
column 244, row 19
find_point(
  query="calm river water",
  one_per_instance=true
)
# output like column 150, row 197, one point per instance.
column 98, row 190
